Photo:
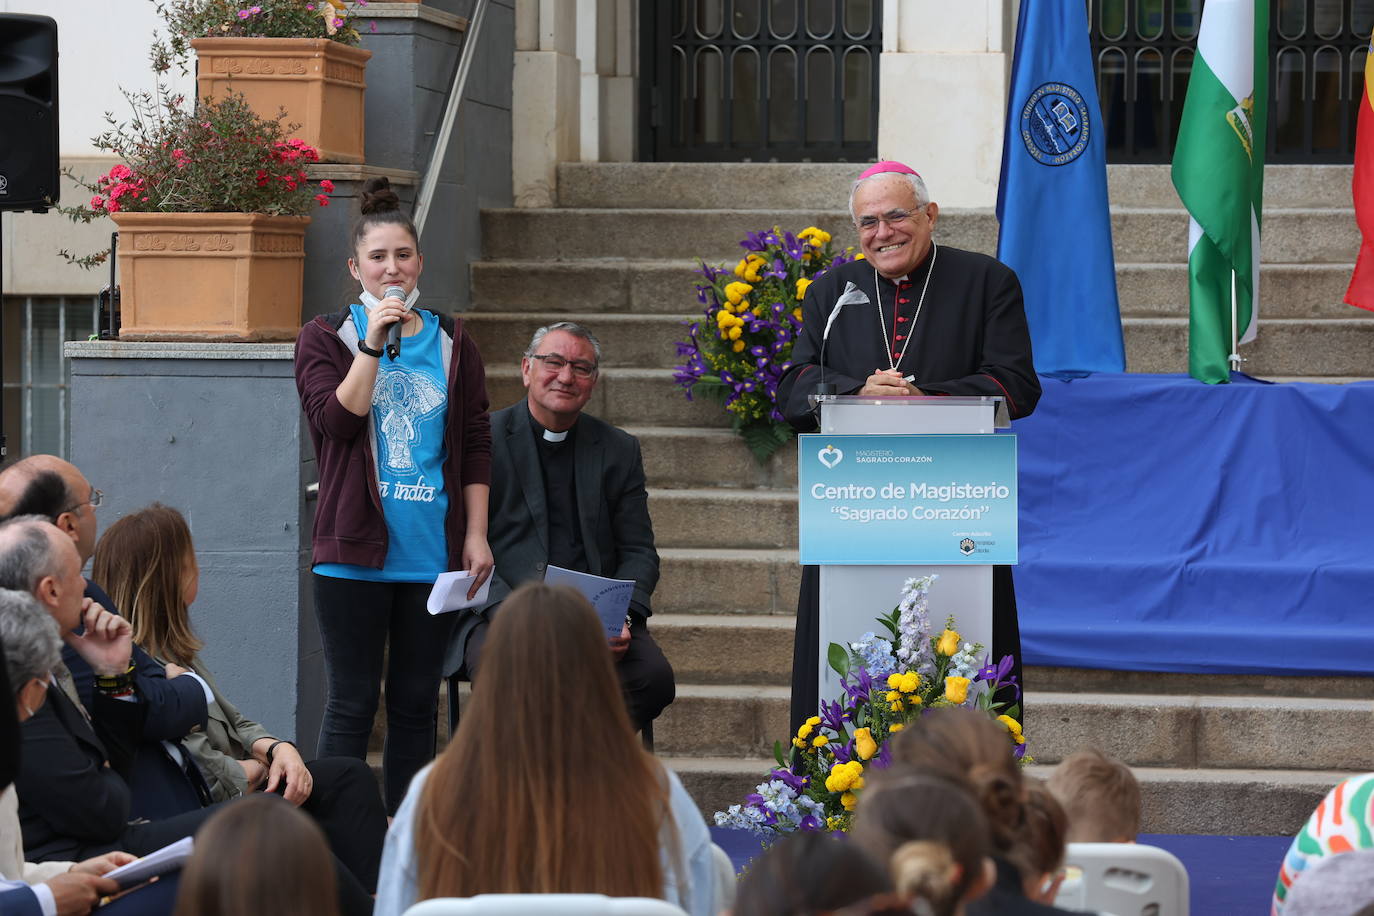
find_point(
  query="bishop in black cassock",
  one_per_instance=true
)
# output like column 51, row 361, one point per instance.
column 951, row 320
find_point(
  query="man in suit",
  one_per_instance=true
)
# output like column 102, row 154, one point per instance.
column 568, row 490
column 163, row 777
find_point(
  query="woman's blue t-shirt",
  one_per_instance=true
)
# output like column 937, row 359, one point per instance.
column 409, row 413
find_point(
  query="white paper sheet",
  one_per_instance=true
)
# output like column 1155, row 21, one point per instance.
column 450, row 592
column 610, row 597
column 167, row 859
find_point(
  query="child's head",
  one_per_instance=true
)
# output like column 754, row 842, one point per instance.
column 1100, row 795
column 1039, row 852
column 808, row 872
column 930, row 832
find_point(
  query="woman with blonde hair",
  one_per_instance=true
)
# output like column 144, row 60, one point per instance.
column 545, row 788
column 146, row 562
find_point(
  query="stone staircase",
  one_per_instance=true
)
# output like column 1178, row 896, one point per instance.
column 617, row 254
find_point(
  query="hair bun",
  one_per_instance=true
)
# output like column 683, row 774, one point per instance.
column 378, row 197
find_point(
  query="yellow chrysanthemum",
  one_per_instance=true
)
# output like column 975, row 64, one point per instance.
column 859, row 257
column 893, row 696
column 910, row 683
column 948, row 643
column 897, row 705
column 864, row 745
column 802, row 285
column 845, row 776
column 797, row 742
column 1014, row 727
column 797, row 313
column 815, row 236
column 820, row 741
column 896, row 727
column 914, row 700
column 849, row 800
column 813, row 721
column 894, row 680
column 956, row 689
column 735, row 292
column 738, row 347
column 805, row 730
column 736, row 332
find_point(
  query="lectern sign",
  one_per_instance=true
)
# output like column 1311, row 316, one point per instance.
column 898, row 500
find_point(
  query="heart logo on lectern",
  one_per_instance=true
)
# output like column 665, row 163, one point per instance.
column 830, row 456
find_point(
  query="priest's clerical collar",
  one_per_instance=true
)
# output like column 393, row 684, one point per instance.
column 548, row 435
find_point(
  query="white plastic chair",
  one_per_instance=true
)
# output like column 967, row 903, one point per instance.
column 1123, row 879
column 562, row 904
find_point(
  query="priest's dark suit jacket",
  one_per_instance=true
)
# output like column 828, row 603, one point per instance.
column 617, row 537
column 613, row 505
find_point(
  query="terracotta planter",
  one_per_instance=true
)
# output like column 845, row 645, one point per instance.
column 319, row 83
column 210, row 276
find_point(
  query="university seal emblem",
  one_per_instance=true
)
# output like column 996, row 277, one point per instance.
column 1055, row 124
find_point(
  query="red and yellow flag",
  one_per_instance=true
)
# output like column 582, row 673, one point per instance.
column 1361, row 291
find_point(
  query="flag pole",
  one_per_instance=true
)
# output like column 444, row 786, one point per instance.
column 1235, row 333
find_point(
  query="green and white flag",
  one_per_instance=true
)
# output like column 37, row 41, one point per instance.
column 1219, row 173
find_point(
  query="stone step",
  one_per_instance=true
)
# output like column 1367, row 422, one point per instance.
column 1313, row 291
column 743, row 652
column 1143, row 730
column 723, row 721
column 599, row 287
column 818, row 186
column 1140, row 234
column 1284, row 347
column 683, row 457
column 726, row 581
column 624, row 397
column 737, row 519
column 1174, row 801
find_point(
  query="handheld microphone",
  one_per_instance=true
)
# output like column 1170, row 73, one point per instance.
column 393, row 333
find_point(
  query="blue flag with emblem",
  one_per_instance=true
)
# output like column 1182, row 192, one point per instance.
column 1056, row 229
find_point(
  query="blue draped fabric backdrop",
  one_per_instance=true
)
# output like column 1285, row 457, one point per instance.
column 1173, row 526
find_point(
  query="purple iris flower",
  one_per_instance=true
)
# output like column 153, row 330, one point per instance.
column 1018, row 751
column 999, row 675
column 755, row 241
column 790, row 779
column 809, row 824
column 778, row 272
column 776, row 415
column 884, row 758
column 832, row 715
column 726, row 378
column 843, row 754
column 793, row 247
column 755, row 799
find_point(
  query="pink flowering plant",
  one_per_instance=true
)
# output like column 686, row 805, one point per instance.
column 886, row 683
column 190, row 19
column 215, row 157
column 741, row 348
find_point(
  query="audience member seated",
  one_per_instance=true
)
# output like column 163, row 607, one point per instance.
column 74, row 800
column 1343, row 822
column 147, row 562
column 545, row 788
column 31, row 650
column 1100, row 795
column 813, row 872
column 1335, row 886
column 1040, row 849
column 932, row 836
column 966, row 747
column 255, row 857
column 162, row 779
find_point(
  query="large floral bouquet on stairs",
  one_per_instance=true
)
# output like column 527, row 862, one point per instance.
column 740, row 350
column 887, row 682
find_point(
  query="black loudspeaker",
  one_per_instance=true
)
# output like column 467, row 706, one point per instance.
column 28, row 112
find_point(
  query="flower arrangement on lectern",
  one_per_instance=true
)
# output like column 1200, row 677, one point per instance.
column 886, row 682
column 211, row 201
column 738, row 353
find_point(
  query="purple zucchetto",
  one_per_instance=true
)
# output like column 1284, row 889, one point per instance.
column 888, row 165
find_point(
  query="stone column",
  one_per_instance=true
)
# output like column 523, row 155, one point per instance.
column 942, row 94
column 546, row 94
